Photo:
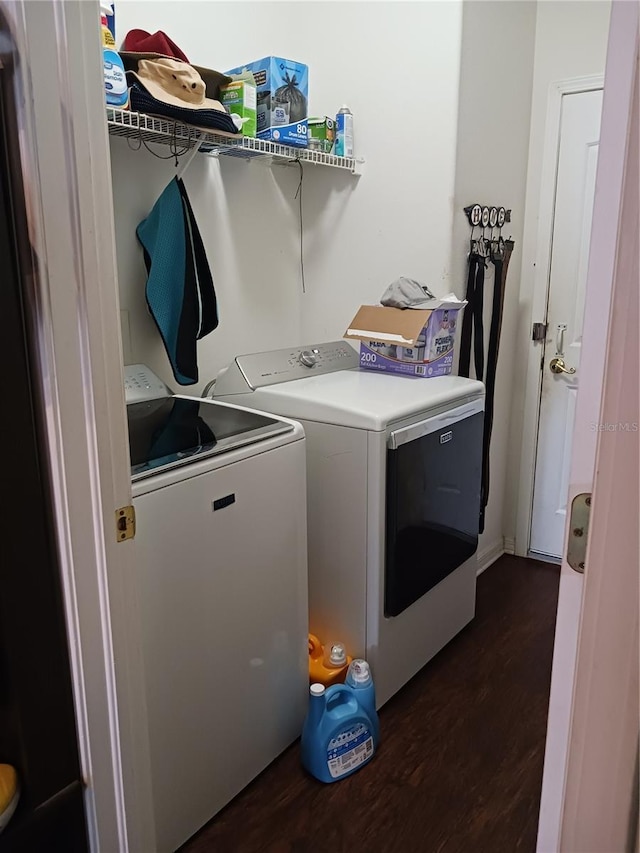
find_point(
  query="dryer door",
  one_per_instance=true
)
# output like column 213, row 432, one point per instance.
column 433, row 502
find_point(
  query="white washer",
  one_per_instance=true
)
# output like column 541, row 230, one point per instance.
column 221, row 562
column 393, row 471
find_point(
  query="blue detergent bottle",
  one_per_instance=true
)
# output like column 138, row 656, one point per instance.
column 115, row 81
column 338, row 735
column 359, row 679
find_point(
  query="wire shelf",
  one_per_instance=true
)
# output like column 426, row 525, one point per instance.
column 182, row 137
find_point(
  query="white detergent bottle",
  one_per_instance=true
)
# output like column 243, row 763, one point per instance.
column 360, row 680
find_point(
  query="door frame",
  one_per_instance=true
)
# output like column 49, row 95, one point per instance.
column 601, row 794
column 586, row 625
column 540, row 298
column 72, row 301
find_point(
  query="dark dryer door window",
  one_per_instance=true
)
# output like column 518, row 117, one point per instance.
column 433, row 508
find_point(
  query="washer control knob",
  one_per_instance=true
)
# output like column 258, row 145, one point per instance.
column 307, row 358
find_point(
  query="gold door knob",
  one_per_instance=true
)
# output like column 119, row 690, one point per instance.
column 557, row 365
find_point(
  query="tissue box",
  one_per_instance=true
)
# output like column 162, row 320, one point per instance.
column 282, row 87
column 410, row 341
column 239, row 98
column 321, row 133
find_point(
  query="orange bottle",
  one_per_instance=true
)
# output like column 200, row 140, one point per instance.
column 327, row 666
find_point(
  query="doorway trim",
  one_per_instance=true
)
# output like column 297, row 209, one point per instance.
column 540, row 297
column 73, row 300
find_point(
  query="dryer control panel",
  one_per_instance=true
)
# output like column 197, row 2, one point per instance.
column 248, row 372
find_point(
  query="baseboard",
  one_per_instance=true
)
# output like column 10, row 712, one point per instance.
column 509, row 545
column 489, row 555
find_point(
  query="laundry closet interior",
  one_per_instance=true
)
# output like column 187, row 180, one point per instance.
column 450, row 108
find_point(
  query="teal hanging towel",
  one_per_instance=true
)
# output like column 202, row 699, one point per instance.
column 179, row 291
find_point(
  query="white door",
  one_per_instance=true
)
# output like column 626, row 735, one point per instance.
column 581, row 759
column 577, row 160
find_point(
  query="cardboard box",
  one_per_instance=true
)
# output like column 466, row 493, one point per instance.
column 321, row 133
column 407, row 341
column 239, row 98
column 282, row 87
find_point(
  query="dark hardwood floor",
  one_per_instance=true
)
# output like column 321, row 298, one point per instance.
column 459, row 768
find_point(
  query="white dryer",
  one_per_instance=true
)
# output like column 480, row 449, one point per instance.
column 393, row 496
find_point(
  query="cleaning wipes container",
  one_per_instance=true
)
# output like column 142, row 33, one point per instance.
column 338, row 734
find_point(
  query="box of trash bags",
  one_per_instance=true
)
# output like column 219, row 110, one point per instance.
column 409, row 341
column 282, row 87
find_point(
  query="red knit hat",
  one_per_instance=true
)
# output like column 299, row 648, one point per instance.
column 139, row 44
column 140, row 41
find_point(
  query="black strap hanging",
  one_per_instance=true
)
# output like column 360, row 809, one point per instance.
column 464, row 360
column 470, row 318
column 472, row 331
column 500, row 258
column 478, row 310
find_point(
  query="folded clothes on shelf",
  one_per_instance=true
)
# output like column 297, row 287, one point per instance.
column 172, row 88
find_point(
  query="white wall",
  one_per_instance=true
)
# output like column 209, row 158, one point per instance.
column 409, row 87
column 491, row 162
column 448, row 109
column 397, row 66
column 571, row 41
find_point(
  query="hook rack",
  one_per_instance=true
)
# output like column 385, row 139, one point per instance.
column 486, row 216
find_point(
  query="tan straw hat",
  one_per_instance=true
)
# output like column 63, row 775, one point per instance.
column 175, row 82
column 139, row 44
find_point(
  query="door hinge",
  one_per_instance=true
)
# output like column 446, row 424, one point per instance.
column 125, row 523
column 539, row 332
column 578, row 531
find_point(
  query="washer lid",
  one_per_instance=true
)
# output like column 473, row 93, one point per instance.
column 177, row 430
column 361, row 399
